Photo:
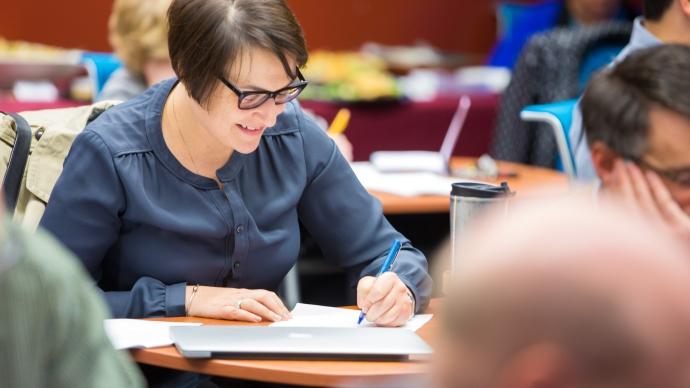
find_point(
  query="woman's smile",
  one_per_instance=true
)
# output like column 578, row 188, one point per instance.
column 251, row 131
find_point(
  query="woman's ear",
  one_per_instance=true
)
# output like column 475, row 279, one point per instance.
column 685, row 6
column 603, row 159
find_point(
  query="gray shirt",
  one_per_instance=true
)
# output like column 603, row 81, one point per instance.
column 641, row 38
column 122, row 85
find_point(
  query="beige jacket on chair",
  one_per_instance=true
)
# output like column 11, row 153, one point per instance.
column 53, row 132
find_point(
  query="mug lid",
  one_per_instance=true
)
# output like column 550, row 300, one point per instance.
column 481, row 190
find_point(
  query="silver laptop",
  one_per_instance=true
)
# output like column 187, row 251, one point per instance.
column 296, row 342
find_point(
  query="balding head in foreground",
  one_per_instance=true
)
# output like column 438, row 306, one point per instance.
column 565, row 295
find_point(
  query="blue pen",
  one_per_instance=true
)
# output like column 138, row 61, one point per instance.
column 387, row 264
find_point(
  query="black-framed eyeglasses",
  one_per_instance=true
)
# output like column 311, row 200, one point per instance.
column 680, row 176
column 254, row 99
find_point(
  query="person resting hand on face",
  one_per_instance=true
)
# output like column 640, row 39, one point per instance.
column 637, row 118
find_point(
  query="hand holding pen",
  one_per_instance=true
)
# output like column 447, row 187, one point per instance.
column 385, row 300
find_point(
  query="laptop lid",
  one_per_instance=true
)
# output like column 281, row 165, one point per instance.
column 301, row 343
column 454, row 129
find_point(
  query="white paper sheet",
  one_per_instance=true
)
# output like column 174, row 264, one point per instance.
column 407, row 184
column 310, row 315
column 138, row 333
column 408, row 161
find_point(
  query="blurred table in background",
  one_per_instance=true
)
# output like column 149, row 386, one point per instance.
column 527, row 180
column 410, row 125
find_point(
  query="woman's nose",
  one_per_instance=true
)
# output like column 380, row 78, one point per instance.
column 269, row 112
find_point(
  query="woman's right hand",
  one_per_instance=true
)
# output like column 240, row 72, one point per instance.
column 236, row 304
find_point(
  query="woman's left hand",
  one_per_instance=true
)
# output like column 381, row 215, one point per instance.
column 385, row 300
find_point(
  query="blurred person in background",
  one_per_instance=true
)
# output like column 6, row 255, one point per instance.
column 664, row 22
column 138, row 32
column 520, row 21
column 554, row 66
column 637, row 120
column 543, row 309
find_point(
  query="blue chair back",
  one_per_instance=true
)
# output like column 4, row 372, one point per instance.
column 596, row 58
column 517, row 23
column 558, row 116
column 100, row 67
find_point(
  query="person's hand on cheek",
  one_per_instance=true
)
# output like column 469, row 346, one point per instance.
column 629, row 187
column 619, row 185
column 671, row 213
column 385, row 300
column 642, row 192
column 646, row 193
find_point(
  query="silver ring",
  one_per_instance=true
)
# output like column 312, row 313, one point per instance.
column 239, row 304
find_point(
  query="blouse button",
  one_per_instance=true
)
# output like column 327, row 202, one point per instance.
column 236, row 266
column 239, row 229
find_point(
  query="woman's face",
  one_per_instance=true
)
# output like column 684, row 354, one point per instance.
column 241, row 130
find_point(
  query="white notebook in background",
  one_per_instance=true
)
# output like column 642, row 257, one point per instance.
column 409, row 161
column 406, row 184
column 138, row 333
column 310, row 315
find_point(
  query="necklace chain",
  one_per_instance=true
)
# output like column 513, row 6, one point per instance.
column 184, row 141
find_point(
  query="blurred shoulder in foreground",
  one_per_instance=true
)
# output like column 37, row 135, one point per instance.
column 52, row 319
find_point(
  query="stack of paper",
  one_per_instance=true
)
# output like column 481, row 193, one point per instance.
column 407, row 184
column 138, row 333
column 309, row 315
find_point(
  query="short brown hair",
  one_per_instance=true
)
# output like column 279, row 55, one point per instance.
column 616, row 103
column 206, row 36
column 138, row 32
column 656, row 9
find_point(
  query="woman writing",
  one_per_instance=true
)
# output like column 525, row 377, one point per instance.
column 187, row 199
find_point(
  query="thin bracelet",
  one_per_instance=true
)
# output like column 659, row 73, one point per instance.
column 191, row 299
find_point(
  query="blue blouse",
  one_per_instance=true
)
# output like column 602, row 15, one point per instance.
column 145, row 227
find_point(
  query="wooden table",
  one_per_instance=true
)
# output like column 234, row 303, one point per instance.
column 310, row 373
column 528, row 179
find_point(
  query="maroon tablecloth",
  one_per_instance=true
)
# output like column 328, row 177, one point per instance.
column 12, row 106
column 414, row 125
column 387, row 126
